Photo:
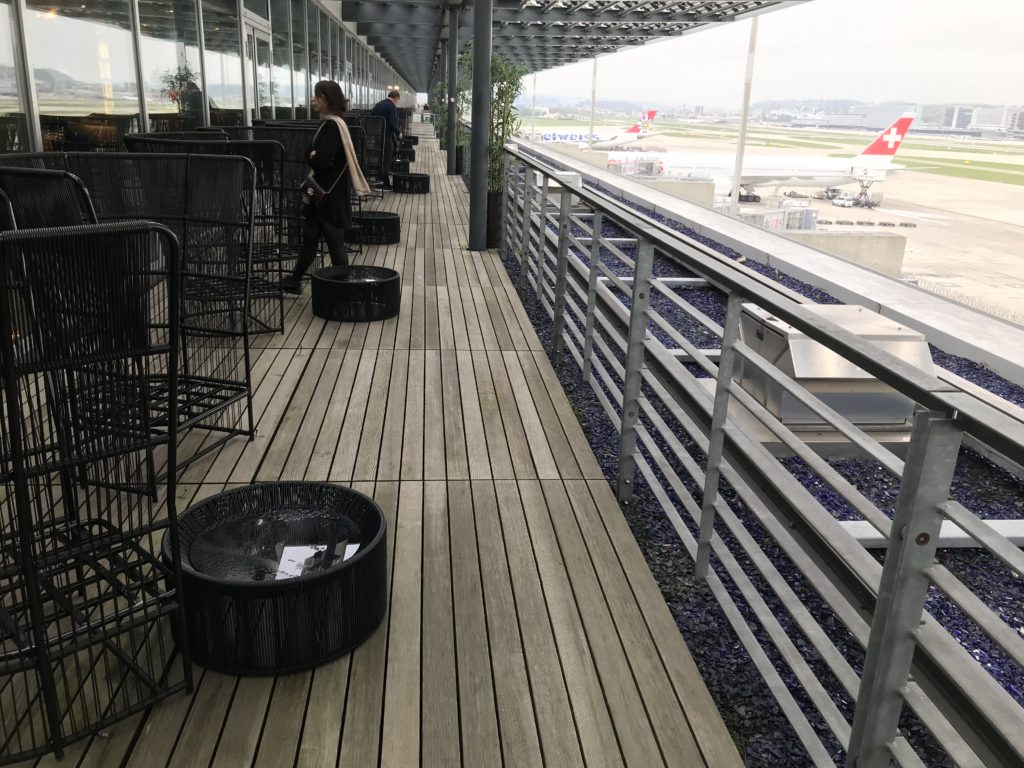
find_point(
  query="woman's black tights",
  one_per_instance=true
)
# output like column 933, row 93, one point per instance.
column 312, row 231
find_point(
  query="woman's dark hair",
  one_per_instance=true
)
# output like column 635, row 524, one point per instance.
column 330, row 91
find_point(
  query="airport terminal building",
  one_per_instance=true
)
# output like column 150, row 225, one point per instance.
column 104, row 68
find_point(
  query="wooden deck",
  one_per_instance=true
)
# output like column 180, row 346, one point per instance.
column 524, row 626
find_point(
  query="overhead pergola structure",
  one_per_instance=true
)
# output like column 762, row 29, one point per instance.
column 540, row 34
column 413, row 35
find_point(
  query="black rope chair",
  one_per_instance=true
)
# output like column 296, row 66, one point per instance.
column 207, row 202
column 88, row 314
column 266, row 300
column 45, row 198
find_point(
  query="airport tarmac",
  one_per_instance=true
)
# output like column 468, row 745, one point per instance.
column 967, row 242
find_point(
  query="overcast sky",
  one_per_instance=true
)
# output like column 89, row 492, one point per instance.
column 919, row 51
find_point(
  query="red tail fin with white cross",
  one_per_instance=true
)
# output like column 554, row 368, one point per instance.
column 644, row 124
column 889, row 140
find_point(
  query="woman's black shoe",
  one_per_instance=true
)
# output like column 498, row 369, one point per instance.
column 291, row 284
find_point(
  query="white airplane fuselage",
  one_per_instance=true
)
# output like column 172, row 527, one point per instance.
column 757, row 170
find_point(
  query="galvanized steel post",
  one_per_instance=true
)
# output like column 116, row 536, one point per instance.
column 561, row 265
column 542, row 226
column 478, row 181
column 595, row 267
column 927, row 476
column 639, row 303
column 716, row 440
column 453, row 84
column 524, row 243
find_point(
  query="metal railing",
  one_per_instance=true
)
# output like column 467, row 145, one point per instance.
column 680, row 435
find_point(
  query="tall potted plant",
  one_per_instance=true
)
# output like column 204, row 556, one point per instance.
column 506, row 87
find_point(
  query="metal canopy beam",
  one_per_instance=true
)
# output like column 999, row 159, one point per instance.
column 540, row 34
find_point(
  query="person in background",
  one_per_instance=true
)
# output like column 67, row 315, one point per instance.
column 332, row 161
column 388, row 109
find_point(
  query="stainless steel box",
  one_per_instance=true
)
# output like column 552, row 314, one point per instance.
column 848, row 389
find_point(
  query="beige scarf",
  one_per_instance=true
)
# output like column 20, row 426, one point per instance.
column 359, row 183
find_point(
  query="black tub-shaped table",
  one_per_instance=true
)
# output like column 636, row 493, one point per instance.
column 413, row 183
column 375, row 228
column 356, row 294
column 280, row 577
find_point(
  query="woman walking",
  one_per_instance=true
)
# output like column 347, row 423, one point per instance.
column 333, row 168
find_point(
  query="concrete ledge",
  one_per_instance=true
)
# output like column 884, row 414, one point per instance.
column 954, row 328
column 880, row 251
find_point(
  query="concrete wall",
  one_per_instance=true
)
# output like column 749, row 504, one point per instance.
column 699, row 192
column 880, row 251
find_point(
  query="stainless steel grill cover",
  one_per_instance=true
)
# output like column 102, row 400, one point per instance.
column 848, row 389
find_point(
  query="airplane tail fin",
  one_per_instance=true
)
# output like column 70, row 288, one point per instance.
column 644, row 124
column 889, row 140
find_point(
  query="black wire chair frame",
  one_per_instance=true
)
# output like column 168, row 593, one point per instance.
column 89, row 610
column 40, row 197
column 198, row 198
column 265, row 296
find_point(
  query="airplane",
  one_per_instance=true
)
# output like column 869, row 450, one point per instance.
column 871, row 165
column 639, row 130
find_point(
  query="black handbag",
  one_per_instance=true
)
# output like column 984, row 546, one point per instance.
column 315, row 195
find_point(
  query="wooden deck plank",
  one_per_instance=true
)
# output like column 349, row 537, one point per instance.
column 244, row 725
column 663, row 708
column 477, row 712
column 360, row 746
column 520, row 743
column 401, row 731
column 558, row 733
column 440, row 715
column 710, row 732
column 283, row 729
column 628, row 709
column 434, row 467
column 321, row 731
column 598, row 738
column 456, row 457
column 494, row 429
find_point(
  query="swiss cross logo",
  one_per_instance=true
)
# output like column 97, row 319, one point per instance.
column 892, row 138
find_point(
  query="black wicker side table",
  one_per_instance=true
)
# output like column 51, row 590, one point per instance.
column 280, row 577
column 411, row 141
column 356, row 294
column 407, row 154
column 400, row 166
column 411, row 183
column 375, row 228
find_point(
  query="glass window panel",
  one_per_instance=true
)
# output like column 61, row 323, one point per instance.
column 336, row 55
column 84, row 72
column 259, row 7
column 172, row 83
column 13, row 127
column 282, row 75
column 325, row 54
column 223, row 62
column 300, row 63
column 313, row 25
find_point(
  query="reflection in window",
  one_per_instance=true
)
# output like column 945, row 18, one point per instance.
column 84, row 73
column 223, row 62
column 313, row 27
column 336, row 54
column 13, row 129
column 282, row 73
column 172, row 83
column 299, row 57
column 325, row 54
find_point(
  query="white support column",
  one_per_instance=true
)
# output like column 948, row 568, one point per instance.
column 742, row 143
column 593, row 104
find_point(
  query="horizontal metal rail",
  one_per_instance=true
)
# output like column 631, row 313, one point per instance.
column 591, row 285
